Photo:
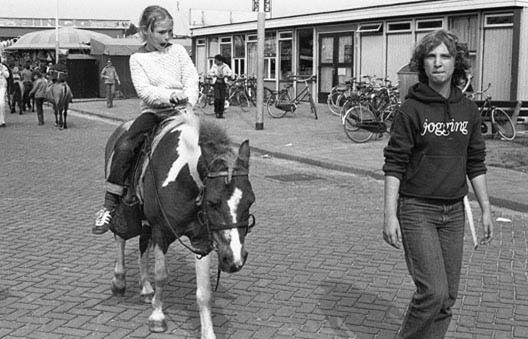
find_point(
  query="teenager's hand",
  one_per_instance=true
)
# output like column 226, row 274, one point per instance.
column 487, row 226
column 392, row 231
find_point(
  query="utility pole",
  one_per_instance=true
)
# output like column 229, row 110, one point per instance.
column 57, row 33
column 261, row 19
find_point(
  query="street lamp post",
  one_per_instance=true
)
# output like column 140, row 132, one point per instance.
column 260, row 4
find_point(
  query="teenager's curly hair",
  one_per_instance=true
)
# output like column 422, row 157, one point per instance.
column 455, row 48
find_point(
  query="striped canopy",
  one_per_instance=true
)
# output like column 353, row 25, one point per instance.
column 69, row 38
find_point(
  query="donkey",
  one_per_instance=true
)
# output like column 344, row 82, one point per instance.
column 191, row 184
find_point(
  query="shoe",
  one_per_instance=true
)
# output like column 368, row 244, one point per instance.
column 2, row 125
column 102, row 221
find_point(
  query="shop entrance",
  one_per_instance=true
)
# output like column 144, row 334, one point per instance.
column 336, row 58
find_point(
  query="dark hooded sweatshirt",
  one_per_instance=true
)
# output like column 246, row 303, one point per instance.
column 435, row 142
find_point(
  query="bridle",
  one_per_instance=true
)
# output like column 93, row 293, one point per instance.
column 203, row 215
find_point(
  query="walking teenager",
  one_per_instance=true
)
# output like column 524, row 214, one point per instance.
column 219, row 72
column 435, row 143
column 163, row 74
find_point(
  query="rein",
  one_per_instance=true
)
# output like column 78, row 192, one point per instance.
column 203, row 216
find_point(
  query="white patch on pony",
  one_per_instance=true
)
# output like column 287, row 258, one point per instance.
column 157, row 315
column 235, row 245
column 188, row 154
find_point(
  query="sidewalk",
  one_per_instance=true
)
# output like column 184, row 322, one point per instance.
column 321, row 142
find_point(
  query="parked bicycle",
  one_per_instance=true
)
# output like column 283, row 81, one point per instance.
column 238, row 95
column 251, row 90
column 372, row 112
column 281, row 102
column 206, row 96
column 501, row 122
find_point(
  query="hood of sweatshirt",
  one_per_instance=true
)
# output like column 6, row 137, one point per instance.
column 425, row 94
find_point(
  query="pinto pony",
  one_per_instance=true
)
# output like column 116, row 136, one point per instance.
column 191, row 185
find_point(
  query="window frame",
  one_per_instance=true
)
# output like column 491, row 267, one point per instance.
column 426, row 29
column 363, row 28
column 409, row 30
column 496, row 15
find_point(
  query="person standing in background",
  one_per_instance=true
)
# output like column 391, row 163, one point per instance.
column 219, row 72
column 27, row 80
column 110, row 77
column 4, row 75
column 39, row 93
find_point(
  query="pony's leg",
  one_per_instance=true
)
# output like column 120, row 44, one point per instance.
column 65, row 126
column 119, row 281
column 147, row 292
column 203, row 295
column 157, row 322
column 55, row 111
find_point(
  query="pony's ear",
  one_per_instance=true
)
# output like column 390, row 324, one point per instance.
column 243, row 155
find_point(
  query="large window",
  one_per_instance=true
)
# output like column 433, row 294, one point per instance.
column 252, row 55
column 200, row 56
column 212, row 50
column 285, row 49
column 305, row 61
column 239, row 54
column 225, row 49
column 270, row 56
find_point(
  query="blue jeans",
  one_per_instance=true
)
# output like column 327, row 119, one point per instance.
column 433, row 239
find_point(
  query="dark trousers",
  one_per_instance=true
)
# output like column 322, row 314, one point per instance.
column 28, row 86
column 128, row 147
column 219, row 97
column 433, row 239
column 109, row 95
column 40, row 111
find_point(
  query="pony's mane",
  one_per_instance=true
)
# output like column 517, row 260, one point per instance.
column 217, row 144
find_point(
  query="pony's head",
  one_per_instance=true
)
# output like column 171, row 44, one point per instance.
column 227, row 198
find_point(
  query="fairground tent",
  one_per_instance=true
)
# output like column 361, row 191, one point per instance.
column 69, row 38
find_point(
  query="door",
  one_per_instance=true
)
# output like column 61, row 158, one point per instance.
column 336, row 58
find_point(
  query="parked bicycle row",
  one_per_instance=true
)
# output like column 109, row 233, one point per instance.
column 367, row 108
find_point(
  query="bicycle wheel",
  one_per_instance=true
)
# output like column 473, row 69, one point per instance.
column 352, row 123
column 275, row 100
column 243, row 101
column 312, row 106
column 503, row 123
column 331, row 101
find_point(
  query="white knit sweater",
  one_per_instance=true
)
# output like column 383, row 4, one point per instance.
column 156, row 75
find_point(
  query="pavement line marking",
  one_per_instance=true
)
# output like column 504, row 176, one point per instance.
column 78, row 114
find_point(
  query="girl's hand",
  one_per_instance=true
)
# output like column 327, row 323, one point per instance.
column 392, row 231
column 178, row 98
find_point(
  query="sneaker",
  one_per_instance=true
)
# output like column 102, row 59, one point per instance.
column 102, row 221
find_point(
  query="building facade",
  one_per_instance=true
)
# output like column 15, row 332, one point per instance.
column 336, row 46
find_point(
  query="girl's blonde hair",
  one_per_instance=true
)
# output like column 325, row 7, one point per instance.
column 150, row 16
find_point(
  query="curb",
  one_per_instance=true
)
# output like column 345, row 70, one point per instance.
column 498, row 202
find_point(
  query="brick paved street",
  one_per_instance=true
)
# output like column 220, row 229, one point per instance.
column 317, row 267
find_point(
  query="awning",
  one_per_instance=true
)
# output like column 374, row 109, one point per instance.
column 69, row 38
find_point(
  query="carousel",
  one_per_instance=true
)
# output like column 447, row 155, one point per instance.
column 39, row 49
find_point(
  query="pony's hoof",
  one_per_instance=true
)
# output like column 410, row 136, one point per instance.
column 117, row 291
column 56, row 124
column 146, row 298
column 158, row 326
